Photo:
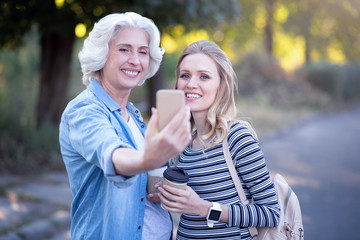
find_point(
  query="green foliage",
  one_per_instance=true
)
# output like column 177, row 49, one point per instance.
column 325, row 23
column 323, row 76
column 261, row 78
column 17, row 17
column 26, row 150
column 22, row 147
column 19, row 82
column 341, row 82
column 169, row 64
column 350, row 80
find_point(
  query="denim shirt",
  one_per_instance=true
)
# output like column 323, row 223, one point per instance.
column 106, row 205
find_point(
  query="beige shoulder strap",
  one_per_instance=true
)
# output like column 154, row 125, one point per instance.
column 253, row 231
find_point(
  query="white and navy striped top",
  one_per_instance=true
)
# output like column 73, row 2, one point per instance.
column 211, row 180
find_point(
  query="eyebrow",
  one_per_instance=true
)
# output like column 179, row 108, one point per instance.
column 199, row 71
column 130, row 46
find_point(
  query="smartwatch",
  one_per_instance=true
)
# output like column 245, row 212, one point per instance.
column 214, row 214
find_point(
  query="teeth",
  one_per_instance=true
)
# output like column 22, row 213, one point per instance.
column 130, row 72
column 192, row 95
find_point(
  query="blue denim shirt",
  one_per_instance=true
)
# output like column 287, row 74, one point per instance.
column 106, row 205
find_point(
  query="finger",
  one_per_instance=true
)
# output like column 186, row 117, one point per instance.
column 182, row 115
column 169, row 204
column 174, row 191
column 179, row 129
column 158, row 184
column 184, row 127
column 172, row 206
column 174, row 195
column 153, row 197
column 152, row 125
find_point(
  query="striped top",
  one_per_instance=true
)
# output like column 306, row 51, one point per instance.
column 211, row 180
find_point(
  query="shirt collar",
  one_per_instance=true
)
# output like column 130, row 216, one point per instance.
column 99, row 92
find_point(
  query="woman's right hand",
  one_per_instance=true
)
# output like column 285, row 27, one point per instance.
column 159, row 147
column 170, row 141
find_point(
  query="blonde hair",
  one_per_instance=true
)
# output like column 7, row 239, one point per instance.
column 95, row 50
column 223, row 111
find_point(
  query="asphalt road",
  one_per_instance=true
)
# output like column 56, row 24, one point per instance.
column 320, row 158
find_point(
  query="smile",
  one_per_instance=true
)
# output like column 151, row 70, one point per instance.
column 130, row 73
column 193, row 95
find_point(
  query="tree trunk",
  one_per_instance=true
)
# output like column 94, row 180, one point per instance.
column 307, row 35
column 268, row 28
column 56, row 52
column 155, row 83
column 307, row 49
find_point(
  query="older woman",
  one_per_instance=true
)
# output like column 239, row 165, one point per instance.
column 104, row 142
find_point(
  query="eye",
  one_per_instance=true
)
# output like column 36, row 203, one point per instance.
column 144, row 52
column 123, row 50
column 204, row 77
column 185, row 76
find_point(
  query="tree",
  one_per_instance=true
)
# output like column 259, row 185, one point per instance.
column 269, row 6
column 56, row 21
column 325, row 24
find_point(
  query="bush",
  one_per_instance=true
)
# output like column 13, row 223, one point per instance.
column 261, row 75
column 340, row 82
column 27, row 150
column 350, row 80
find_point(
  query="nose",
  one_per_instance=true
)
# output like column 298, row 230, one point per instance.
column 191, row 84
column 134, row 59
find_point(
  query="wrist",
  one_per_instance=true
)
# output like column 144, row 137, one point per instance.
column 204, row 210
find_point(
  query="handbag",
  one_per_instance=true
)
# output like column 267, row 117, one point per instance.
column 290, row 225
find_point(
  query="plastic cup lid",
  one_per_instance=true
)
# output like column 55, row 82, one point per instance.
column 176, row 175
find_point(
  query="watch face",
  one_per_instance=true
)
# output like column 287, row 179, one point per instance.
column 214, row 215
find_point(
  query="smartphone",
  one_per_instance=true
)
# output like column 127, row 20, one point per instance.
column 168, row 103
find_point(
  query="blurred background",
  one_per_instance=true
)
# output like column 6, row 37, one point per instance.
column 292, row 58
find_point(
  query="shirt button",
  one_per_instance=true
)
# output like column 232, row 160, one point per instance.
column 139, row 227
column 142, row 199
column 142, row 126
column 136, row 111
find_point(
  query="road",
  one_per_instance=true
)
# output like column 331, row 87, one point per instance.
column 320, row 158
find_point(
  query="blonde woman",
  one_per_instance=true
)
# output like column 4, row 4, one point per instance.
column 206, row 76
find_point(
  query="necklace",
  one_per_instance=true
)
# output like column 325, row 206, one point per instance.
column 198, row 142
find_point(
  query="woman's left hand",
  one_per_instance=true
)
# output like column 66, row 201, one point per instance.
column 154, row 196
column 183, row 201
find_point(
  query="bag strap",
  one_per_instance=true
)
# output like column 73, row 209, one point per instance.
column 253, row 231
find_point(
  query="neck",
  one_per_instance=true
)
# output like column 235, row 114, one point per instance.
column 202, row 128
column 121, row 97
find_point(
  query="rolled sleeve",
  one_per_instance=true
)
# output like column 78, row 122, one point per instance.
column 109, row 169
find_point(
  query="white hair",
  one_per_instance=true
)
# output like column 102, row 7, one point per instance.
column 95, row 50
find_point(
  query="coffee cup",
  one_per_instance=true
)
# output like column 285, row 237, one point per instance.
column 176, row 177
column 154, row 176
